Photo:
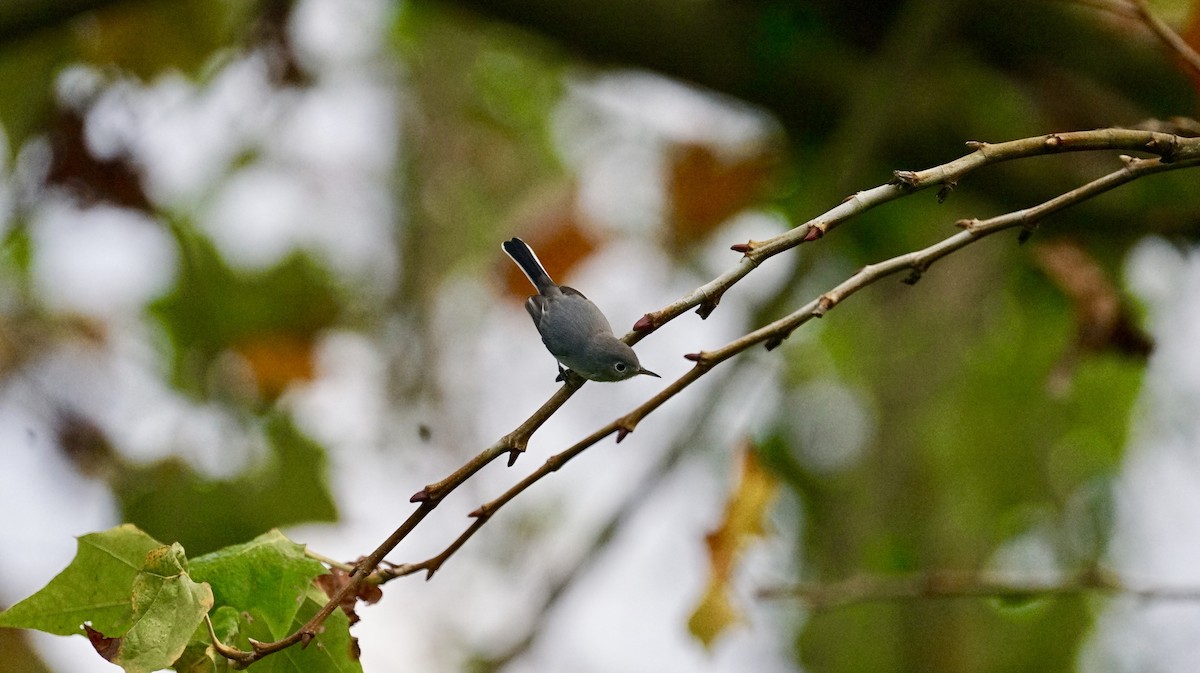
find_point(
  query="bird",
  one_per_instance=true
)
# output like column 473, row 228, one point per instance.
column 573, row 329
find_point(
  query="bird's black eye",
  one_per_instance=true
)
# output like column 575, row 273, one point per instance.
column 620, row 366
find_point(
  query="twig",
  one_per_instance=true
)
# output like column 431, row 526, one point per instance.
column 699, row 428
column 1167, row 146
column 774, row 333
column 950, row 584
column 1168, row 36
column 306, row 633
column 1183, row 152
column 332, row 563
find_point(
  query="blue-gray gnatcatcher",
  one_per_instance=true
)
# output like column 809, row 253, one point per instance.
column 575, row 332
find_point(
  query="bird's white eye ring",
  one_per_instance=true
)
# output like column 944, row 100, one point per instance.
column 620, row 366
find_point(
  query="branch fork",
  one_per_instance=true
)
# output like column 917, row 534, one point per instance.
column 1185, row 153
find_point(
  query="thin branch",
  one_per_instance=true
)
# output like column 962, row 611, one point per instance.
column 514, row 444
column 1184, row 152
column 1167, row 146
column 698, row 429
column 332, row 563
column 231, row 653
column 1168, row 36
column 306, row 633
column 774, row 333
column 951, row 585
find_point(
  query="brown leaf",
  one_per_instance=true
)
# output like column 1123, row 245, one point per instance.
column 706, row 189
column 84, row 443
column 105, row 647
column 1102, row 317
column 1103, row 321
column 270, row 32
column 559, row 242
column 277, row 359
column 332, row 582
column 743, row 521
column 90, row 178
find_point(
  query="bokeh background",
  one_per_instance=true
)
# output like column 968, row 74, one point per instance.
column 251, row 278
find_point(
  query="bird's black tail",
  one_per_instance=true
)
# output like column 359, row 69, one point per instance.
column 523, row 255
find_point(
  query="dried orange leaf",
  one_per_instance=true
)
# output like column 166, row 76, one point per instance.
column 743, row 521
column 278, row 359
column 706, row 188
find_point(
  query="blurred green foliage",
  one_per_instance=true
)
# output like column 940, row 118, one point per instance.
column 973, row 441
column 214, row 308
column 287, row 485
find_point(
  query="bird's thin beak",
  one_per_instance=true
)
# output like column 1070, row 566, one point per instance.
column 647, row 372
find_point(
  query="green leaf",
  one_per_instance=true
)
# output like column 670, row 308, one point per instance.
column 167, row 607
column 267, row 576
column 199, row 656
column 94, row 588
column 744, row 521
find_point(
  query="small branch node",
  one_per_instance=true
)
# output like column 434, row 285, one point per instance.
column 776, row 340
column 513, row 454
column 701, row 359
column 624, row 430
column 970, row 224
column 231, row 653
column 646, row 323
column 947, row 187
column 1165, row 151
column 906, row 179
column 422, row 495
column 708, row 306
column 825, row 303
column 481, row 512
column 625, row 426
column 814, row 232
column 1053, row 142
column 743, row 248
column 554, row 463
column 976, row 145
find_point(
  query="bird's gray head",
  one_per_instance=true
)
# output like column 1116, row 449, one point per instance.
column 613, row 360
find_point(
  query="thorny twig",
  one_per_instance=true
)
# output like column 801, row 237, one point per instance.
column 1173, row 152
